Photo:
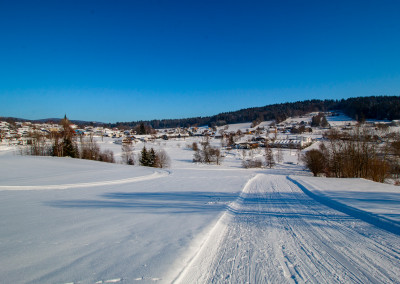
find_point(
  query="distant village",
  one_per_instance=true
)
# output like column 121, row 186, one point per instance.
column 292, row 133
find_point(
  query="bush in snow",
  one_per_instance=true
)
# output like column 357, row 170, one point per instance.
column 315, row 161
column 252, row 164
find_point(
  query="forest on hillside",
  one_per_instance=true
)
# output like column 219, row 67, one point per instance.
column 359, row 108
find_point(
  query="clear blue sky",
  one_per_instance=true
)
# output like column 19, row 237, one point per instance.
column 136, row 60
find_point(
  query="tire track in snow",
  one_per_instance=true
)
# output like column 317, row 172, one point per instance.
column 204, row 253
column 154, row 175
column 274, row 233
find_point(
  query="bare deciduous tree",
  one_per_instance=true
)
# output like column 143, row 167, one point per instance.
column 127, row 153
column 257, row 163
column 269, row 157
column 163, row 160
column 208, row 154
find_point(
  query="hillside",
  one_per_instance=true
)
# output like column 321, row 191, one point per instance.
column 358, row 108
column 76, row 221
column 375, row 107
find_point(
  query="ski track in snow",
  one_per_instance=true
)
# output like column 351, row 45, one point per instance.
column 275, row 233
column 155, row 175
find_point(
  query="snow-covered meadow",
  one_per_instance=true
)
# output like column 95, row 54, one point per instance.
column 66, row 220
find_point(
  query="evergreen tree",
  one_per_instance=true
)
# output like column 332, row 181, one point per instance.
column 69, row 149
column 324, row 122
column 144, row 157
column 316, row 120
column 142, row 129
column 152, row 158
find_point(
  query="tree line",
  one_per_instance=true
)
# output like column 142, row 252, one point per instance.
column 358, row 154
column 359, row 108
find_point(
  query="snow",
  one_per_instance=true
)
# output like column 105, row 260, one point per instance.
column 265, row 124
column 239, row 126
column 376, row 202
column 103, row 232
column 340, row 120
column 66, row 220
column 274, row 233
column 291, row 120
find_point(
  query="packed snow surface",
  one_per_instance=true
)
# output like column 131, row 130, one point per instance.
column 274, row 233
column 73, row 221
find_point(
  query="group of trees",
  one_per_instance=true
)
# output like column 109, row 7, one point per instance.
column 278, row 112
column 90, row 150
column 301, row 129
column 155, row 159
column 374, row 107
column 319, row 120
column 252, row 163
column 206, row 153
column 68, row 144
column 64, row 144
column 353, row 155
column 270, row 158
column 143, row 129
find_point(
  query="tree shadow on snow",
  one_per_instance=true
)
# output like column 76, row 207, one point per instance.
column 155, row 202
column 246, row 207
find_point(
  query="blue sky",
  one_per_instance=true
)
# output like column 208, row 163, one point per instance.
column 137, row 60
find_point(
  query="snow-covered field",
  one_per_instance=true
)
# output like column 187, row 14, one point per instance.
column 74, row 221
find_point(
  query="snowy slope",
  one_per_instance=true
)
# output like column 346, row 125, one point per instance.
column 131, row 230
column 274, row 233
column 341, row 120
column 74, row 221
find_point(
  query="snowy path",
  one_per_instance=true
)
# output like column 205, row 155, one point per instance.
column 154, row 175
column 274, row 233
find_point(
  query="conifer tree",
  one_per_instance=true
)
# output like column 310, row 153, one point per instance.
column 152, row 158
column 144, row 157
column 69, row 148
column 324, row 122
column 142, row 129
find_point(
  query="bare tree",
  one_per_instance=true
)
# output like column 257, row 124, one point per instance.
column 195, row 147
column 106, row 156
column 163, row 160
column 127, row 153
column 208, row 154
column 269, row 157
column 89, row 150
column 257, row 163
column 279, row 154
column 356, row 154
column 39, row 146
column 298, row 155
